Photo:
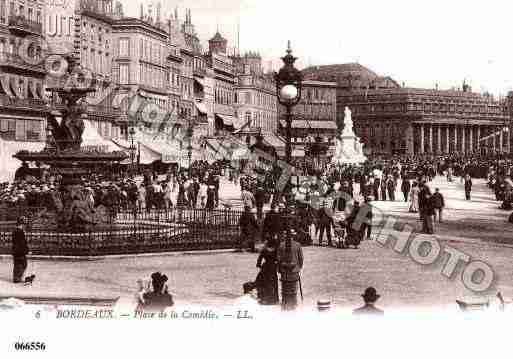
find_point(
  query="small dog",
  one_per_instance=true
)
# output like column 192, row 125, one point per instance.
column 30, row 279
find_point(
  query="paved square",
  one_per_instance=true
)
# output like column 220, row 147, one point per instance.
column 477, row 228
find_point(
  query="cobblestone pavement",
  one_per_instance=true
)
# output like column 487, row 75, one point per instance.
column 477, row 228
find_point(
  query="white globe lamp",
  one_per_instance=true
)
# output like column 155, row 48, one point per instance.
column 289, row 93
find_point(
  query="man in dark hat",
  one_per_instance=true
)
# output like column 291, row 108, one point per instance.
column 159, row 298
column 19, row 250
column 370, row 297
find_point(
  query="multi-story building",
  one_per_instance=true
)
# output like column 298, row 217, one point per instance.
column 22, row 76
column 223, row 80
column 93, row 45
column 255, row 99
column 394, row 119
column 83, row 29
column 141, row 57
column 175, row 61
column 314, row 117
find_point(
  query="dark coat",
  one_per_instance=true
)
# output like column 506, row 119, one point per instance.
column 468, row 185
column 19, row 243
column 260, row 196
column 248, row 224
column 272, row 223
column 405, row 186
column 437, row 200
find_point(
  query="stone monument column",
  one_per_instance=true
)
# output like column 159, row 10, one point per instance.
column 455, row 138
column 421, row 138
column 439, row 139
column 430, row 138
column 478, row 137
column 447, row 139
column 471, row 139
column 463, row 144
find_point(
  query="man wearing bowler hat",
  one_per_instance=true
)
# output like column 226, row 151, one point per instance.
column 370, row 297
column 19, row 250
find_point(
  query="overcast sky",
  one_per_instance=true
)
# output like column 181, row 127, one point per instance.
column 420, row 43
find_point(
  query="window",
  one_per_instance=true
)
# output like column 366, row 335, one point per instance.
column 31, row 14
column 248, row 117
column 124, row 75
column 8, row 129
column 33, row 130
column 38, row 17
column 248, row 98
column 124, row 47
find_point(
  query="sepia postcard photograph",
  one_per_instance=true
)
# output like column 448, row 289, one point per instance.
column 243, row 178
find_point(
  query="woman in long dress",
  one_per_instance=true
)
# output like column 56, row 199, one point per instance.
column 414, row 198
column 267, row 278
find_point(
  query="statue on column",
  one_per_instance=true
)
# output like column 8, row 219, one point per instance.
column 349, row 149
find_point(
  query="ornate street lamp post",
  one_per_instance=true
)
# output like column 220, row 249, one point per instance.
column 190, row 132
column 288, row 88
column 131, row 132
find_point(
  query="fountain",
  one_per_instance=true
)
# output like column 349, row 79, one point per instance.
column 66, row 159
column 349, row 149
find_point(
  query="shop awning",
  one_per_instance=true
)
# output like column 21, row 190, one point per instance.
column 298, row 153
column 33, row 90
column 274, row 141
column 93, row 141
column 10, row 164
column 146, row 155
column 314, row 124
column 199, row 81
column 227, row 120
column 15, row 88
column 201, row 107
column 295, row 153
column 6, row 85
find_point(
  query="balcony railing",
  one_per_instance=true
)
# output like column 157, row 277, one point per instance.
column 30, row 103
column 21, row 23
column 199, row 72
column 103, row 110
column 16, row 61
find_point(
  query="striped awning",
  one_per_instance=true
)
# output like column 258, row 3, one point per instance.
column 201, row 107
column 199, row 81
column 33, row 90
column 15, row 85
column 6, row 85
column 227, row 119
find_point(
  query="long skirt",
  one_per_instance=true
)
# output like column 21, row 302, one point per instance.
column 267, row 285
column 20, row 265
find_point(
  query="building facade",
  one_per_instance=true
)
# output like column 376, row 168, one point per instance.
column 392, row 119
column 255, row 100
column 315, row 116
column 22, row 72
column 224, row 78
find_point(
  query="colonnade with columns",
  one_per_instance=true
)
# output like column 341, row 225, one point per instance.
column 456, row 138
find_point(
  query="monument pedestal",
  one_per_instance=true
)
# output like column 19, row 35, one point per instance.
column 349, row 149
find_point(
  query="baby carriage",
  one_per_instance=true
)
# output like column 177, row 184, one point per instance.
column 339, row 229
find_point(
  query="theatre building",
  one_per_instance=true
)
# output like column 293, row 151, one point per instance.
column 393, row 119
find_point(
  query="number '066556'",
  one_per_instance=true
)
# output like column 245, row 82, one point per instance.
column 30, row 346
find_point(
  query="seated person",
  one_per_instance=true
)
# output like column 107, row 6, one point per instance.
column 159, row 298
column 370, row 297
